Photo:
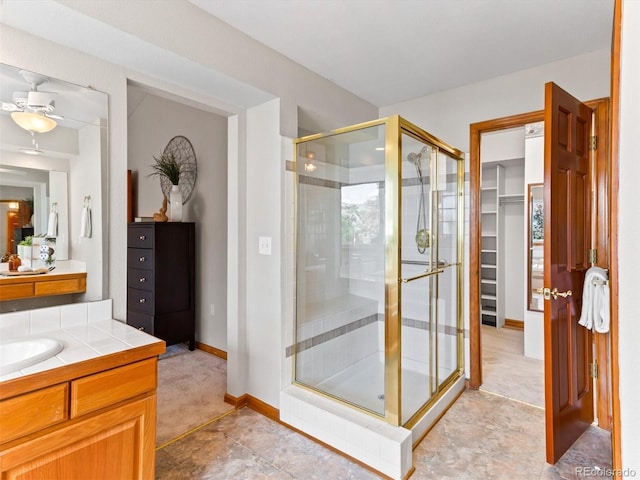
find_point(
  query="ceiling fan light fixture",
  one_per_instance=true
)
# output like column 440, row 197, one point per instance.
column 34, row 122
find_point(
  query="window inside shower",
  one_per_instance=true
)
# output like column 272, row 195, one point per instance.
column 377, row 260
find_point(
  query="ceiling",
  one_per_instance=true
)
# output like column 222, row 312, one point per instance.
column 384, row 51
column 390, row 51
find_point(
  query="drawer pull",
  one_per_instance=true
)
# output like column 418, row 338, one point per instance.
column 142, row 259
column 142, row 237
column 141, row 329
column 142, row 279
column 143, row 300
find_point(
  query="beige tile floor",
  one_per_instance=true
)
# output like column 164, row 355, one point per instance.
column 505, row 369
column 482, row 436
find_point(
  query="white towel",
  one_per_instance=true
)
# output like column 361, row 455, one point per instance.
column 595, row 300
column 85, row 222
column 52, row 226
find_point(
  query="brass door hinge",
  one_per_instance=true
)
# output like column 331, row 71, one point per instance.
column 593, row 142
column 593, row 370
column 593, row 255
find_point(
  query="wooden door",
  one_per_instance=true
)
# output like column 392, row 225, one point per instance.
column 568, row 385
column 12, row 224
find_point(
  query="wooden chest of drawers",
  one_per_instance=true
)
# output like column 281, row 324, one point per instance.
column 161, row 280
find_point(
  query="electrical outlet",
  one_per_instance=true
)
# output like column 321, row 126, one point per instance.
column 264, row 245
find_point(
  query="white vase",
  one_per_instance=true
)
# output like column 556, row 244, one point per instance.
column 175, row 201
column 24, row 252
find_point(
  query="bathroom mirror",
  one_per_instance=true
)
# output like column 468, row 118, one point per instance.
column 536, row 246
column 61, row 169
column 26, row 197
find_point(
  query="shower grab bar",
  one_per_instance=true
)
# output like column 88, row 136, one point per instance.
column 422, row 275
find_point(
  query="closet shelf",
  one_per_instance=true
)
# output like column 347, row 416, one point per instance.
column 488, row 281
column 489, row 212
column 511, row 198
column 488, row 265
column 486, row 296
column 488, row 251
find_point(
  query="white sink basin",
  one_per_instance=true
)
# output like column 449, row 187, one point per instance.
column 20, row 354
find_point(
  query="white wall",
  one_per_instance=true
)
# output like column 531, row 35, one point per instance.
column 153, row 122
column 515, row 246
column 265, row 203
column 628, row 233
column 83, row 182
column 448, row 114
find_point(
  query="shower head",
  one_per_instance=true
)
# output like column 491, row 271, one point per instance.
column 415, row 158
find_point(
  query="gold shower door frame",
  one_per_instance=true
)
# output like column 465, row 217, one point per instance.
column 396, row 126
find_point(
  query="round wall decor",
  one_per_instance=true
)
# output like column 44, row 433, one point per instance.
column 182, row 150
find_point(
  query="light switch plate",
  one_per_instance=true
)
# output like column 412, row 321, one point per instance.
column 264, row 245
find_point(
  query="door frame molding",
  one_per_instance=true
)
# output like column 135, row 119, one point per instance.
column 614, row 122
column 606, row 352
column 475, row 235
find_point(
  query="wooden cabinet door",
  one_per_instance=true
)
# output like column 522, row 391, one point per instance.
column 117, row 444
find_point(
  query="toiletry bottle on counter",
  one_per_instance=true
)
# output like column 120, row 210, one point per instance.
column 14, row 262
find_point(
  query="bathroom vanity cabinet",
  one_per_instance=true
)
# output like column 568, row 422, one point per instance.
column 29, row 286
column 161, row 280
column 94, row 419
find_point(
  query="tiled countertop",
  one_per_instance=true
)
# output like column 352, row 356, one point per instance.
column 86, row 331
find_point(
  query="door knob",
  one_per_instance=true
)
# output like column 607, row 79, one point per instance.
column 548, row 293
column 555, row 294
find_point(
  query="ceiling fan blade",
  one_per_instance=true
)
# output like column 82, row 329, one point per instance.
column 55, row 117
column 10, row 107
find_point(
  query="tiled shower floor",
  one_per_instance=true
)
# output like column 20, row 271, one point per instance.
column 362, row 384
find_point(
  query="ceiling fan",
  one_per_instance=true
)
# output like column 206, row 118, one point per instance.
column 33, row 110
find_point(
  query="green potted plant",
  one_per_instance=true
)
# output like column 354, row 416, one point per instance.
column 167, row 167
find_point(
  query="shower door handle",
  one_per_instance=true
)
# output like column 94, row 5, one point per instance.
column 422, row 275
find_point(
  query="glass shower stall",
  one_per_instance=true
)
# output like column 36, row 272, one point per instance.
column 379, row 232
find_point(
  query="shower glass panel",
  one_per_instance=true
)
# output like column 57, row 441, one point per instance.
column 418, row 255
column 340, row 266
column 449, row 214
column 378, row 267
